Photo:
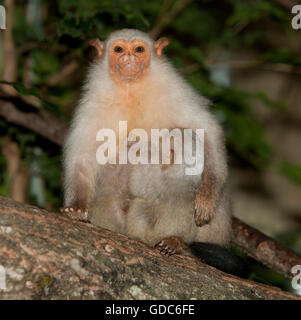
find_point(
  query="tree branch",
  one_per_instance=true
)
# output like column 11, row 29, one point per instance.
column 39, row 121
column 264, row 249
column 9, row 72
column 246, row 238
column 288, row 4
column 64, row 72
column 48, row 256
column 166, row 17
column 17, row 170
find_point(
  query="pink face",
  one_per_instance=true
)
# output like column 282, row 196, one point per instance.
column 129, row 60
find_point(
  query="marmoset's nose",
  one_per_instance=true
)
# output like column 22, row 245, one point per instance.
column 128, row 58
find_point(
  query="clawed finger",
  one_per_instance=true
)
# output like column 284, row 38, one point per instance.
column 164, row 249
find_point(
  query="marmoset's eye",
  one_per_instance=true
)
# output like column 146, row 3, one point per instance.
column 118, row 49
column 139, row 49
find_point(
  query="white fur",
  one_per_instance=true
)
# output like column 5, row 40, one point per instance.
column 162, row 99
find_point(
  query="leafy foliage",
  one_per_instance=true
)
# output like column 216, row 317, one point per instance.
column 200, row 30
column 292, row 171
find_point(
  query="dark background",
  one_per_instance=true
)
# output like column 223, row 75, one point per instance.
column 243, row 55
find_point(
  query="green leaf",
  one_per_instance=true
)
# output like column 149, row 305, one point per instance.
column 291, row 171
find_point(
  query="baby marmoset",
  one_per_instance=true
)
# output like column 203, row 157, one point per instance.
column 158, row 204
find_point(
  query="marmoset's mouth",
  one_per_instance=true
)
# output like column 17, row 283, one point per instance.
column 129, row 70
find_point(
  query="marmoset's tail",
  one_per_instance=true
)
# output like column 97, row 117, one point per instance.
column 221, row 258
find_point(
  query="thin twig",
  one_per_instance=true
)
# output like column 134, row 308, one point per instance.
column 264, row 249
column 65, row 72
column 36, row 120
column 165, row 18
column 288, row 4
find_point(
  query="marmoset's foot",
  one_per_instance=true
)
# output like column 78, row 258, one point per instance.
column 172, row 245
column 76, row 213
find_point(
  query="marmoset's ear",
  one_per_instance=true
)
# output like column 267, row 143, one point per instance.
column 98, row 45
column 160, row 45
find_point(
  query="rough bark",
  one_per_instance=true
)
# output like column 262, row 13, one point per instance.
column 48, row 256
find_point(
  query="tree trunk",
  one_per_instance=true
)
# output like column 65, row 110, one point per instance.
column 48, row 256
column 16, row 169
